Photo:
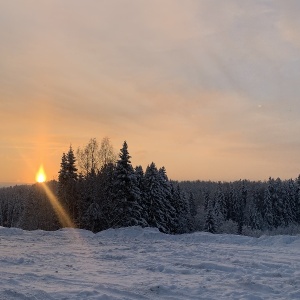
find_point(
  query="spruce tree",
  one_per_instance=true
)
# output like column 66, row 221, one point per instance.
column 166, row 190
column 253, row 217
column 206, row 197
column 139, row 174
column 126, row 194
column 193, row 211
column 63, row 181
column 157, row 208
column 210, row 221
column 105, row 196
column 219, row 207
column 268, row 208
column 297, row 200
column 63, row 172
column 180, row 203
column 288, row 197
column 239, row 205
column 71, row 165
column 67, row 188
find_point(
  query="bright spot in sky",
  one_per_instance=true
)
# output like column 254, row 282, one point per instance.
column 40, row 176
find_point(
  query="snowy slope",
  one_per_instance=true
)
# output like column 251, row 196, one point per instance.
column 136, row 263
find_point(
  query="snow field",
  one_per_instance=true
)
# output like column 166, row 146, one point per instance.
column 137, row 263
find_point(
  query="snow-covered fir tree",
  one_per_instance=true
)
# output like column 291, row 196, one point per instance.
column 157, row 208
column 166, row 189
column 253, row 217
column 289, row 196
column 67, row 185
column 219, row 205
column 268, row 213
column 239, row 205
column 180, row 202
column 193, row 211
column 126, row 196
column 210, row 219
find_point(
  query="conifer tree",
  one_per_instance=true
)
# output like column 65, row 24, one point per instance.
column 67, row 188
column 219, row 207
column 206, row 198
column 277, row 201
column 210, row 221
column 239, row 206
column 139, row 173
column 253, row 217
column 154, row 197
column 180, row 203
column 166, row 190
column 126, row 194
column 288, row 197
column 71, row 165
column 297, row 200
column 193, row 211
column 105, row 196
column 63, row 172
column 268, row 208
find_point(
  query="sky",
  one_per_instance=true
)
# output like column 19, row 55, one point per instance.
column 207, row 88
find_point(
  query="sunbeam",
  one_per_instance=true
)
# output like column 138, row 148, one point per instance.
column 62, row 215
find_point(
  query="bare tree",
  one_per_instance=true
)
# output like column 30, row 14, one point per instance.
column 106, row 153
column 92, row 157
column 88, row 158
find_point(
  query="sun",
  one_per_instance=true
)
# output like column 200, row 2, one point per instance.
column 40, row 176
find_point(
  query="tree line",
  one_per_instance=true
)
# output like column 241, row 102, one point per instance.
column 99, row 190
column 247, row 207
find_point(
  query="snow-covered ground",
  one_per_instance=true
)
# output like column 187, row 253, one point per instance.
column 136, row 263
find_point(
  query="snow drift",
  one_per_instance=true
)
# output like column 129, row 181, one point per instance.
column 142, row 263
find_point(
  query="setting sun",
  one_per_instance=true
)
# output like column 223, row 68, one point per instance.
column 40, row 176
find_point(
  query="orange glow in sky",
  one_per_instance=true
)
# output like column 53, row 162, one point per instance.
column 208, row 90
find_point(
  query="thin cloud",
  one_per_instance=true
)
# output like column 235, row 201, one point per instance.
column 201, row 80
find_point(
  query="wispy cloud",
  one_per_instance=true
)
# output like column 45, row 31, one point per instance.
column 208, row 89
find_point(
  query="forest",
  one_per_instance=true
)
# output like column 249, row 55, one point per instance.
column 97, row 189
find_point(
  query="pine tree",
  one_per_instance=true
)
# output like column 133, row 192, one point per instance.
column 71, row 165
column 63, row 181
column 167, row 199
column 193, row 211
column 67, row 188
column 253, row 217
column 231, row 198
column 210, row 221
column 63, row 172
column 297, row 200
column 268, row 208
column 289, row 201
column 157, row 209
column 126, row 194
column 139, row 174
column 219, row 207
column 88, row 206
column 277, row 201
column 240, row 204
column 107, row 175
column 180, row 203
column 206, row 197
